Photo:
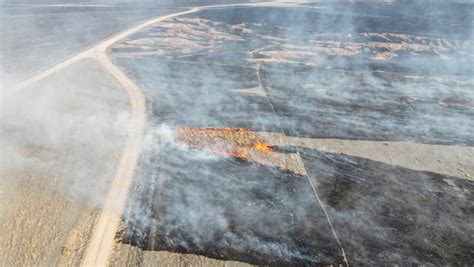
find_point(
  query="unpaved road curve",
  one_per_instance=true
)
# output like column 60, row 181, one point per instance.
column 104, row 233
column 106, row 227
column 102, row 240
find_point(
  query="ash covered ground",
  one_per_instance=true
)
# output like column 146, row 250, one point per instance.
column 384, row 73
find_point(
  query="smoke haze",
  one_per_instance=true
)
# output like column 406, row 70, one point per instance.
column 384, row 72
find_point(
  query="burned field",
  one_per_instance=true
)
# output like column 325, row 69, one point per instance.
column 208, row 183
column 228, row 209
column 386, row 214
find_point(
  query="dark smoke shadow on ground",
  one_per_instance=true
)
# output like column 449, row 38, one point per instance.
column 227, row 209
column 384, row 214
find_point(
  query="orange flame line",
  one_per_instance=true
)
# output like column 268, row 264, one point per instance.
column 225, row 130
column 259, row 146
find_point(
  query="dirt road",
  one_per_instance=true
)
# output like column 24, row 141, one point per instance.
column 103, row 236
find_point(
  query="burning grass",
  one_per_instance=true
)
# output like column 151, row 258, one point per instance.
column 240, row 143
column 235, row 142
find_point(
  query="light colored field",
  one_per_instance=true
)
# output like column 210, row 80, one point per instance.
column 449, row 160
column 61, row 139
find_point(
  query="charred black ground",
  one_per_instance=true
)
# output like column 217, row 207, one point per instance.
column 185, row 201
column 227, row 209
column 385, row 214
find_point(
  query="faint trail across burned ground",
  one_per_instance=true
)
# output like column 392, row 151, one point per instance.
column 385, row 214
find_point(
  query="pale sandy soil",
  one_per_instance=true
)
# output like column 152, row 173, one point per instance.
column 58, row 156
column 190, row 36
column 449, row 160
column 126, row 255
